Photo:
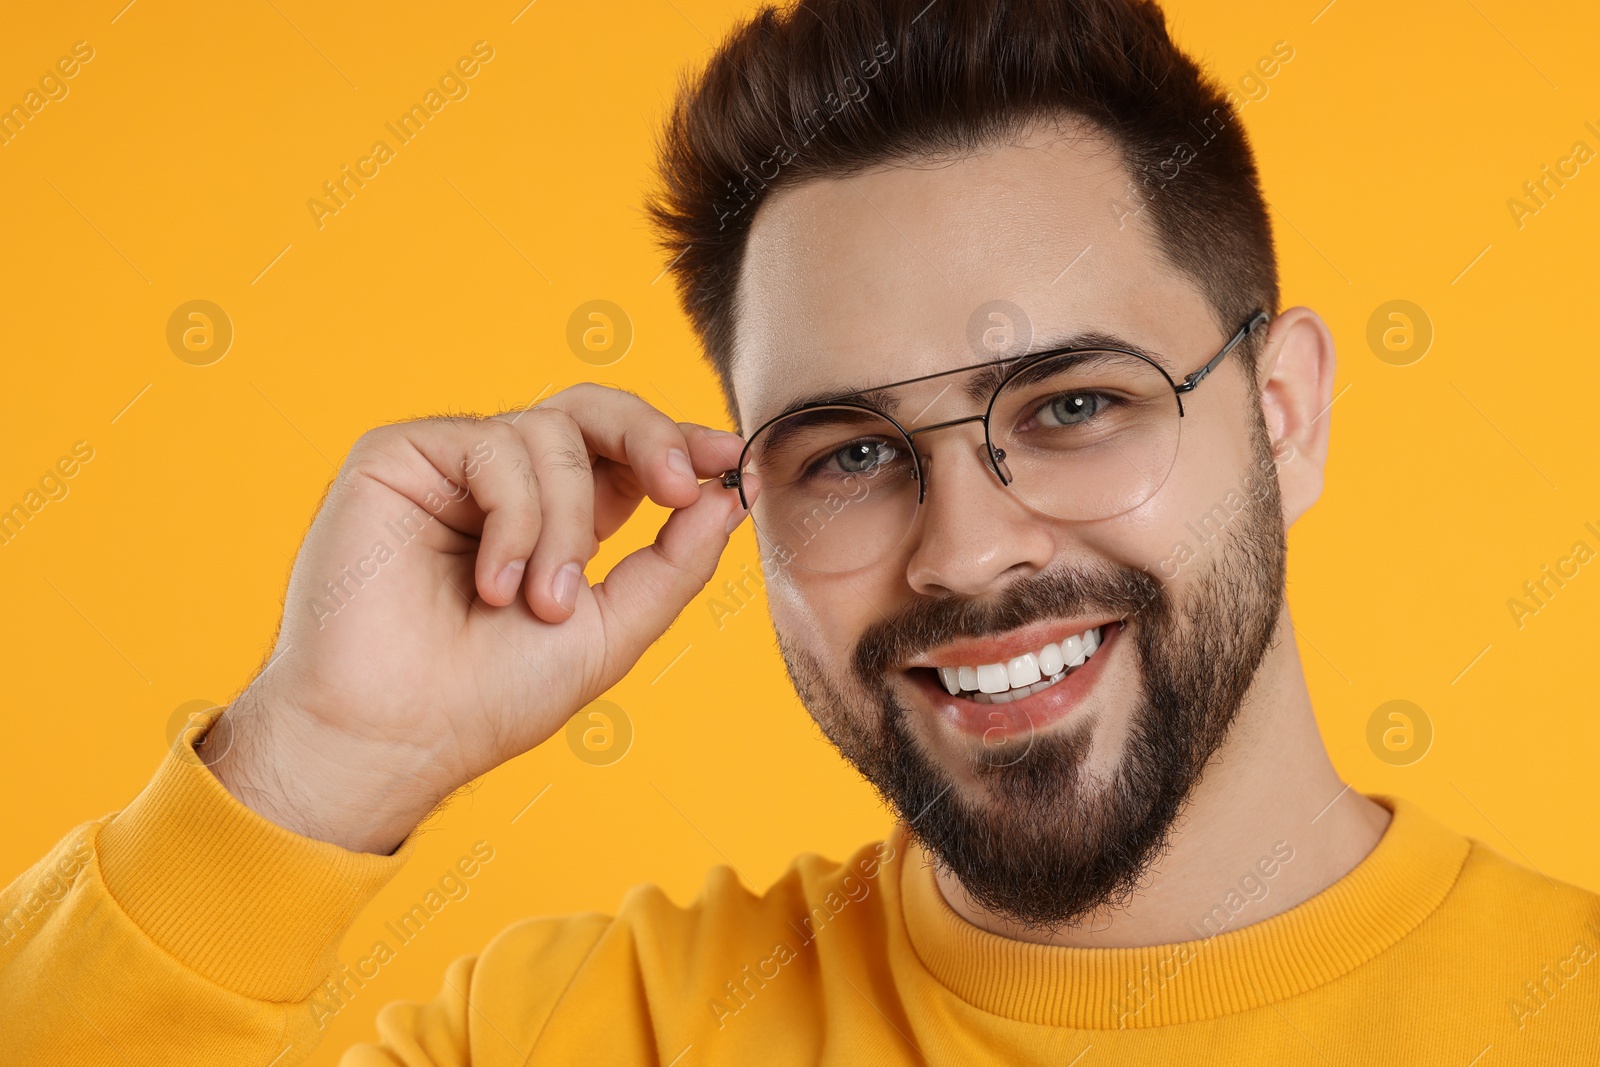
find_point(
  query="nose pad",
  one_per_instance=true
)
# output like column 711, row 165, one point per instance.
column 997, row 463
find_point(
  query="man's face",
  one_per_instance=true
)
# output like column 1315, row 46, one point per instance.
column 1052, row 804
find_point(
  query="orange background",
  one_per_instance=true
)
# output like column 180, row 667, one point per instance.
column 179, row 165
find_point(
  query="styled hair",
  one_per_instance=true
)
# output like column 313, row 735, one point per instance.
column 827, row 88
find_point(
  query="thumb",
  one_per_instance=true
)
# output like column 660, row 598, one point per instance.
column 649, row 588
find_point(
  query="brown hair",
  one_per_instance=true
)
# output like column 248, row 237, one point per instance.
column 826, row 88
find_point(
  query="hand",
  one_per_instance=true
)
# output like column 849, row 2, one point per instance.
column 438, row 622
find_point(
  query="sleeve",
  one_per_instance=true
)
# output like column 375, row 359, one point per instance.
column 187, row 929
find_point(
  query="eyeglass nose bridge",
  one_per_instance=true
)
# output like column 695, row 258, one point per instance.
column 996, row 456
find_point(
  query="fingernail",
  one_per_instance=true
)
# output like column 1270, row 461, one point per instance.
column 678, row 461
column 510, row 578
column 736, row 516
column 564, row 587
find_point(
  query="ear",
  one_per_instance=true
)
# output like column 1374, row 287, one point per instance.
column 1295, row 377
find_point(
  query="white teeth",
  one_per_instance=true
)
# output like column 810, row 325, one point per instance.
column 1024, row 670
column 1018, row 694
column 992, row 678
column 1000, row 683
column 1072, row 650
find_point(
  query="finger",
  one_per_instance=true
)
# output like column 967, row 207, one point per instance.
column 474, row 476
column 617, row 490
column 617, row 493
column 713, row 452
column 566, row 492
column 647, row 590
column 623, row 428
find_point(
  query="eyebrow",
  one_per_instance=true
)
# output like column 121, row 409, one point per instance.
column 986, row 377
column 821, row 417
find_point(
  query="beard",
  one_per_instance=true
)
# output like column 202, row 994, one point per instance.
column 1050, row 842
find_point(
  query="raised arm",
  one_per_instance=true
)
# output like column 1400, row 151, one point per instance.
column 437, row 624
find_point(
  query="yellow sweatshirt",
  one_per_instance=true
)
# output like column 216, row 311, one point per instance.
column 188, row 930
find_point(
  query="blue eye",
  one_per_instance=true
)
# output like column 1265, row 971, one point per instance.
column 1069, row 409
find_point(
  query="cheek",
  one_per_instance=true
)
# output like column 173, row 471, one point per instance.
column 801, row 612
column 1152, row 537
column 1215, row 472
column 824, row 614
column 1172, row 534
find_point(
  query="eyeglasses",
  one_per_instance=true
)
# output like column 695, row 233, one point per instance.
column 1076, row 433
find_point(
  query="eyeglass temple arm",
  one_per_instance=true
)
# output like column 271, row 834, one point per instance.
column 1199, row 376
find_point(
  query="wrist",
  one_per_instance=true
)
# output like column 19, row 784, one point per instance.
column 317, row 781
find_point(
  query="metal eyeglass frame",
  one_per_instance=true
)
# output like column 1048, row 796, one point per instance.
column 733, row 479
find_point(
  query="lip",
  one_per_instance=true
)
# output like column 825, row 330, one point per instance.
column 1030, row 713
column 1031, row 638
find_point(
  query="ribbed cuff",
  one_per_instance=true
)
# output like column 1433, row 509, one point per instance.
column 236, row 898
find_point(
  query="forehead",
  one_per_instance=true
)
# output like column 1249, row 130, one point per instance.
column 851, row 283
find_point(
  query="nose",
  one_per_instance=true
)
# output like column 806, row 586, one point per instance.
column 972, row 535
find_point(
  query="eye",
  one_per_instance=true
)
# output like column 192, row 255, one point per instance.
column 861, row 457
column 1069, row 409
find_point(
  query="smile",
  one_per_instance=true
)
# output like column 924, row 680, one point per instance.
column 1024, row 675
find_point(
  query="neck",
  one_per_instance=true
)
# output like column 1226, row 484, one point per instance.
column 1270, row 825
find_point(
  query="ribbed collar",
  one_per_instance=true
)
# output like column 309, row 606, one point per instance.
column 1387, row 895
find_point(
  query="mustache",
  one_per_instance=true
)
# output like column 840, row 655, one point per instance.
column 1102, row 588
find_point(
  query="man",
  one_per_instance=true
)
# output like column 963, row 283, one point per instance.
column 991, row 292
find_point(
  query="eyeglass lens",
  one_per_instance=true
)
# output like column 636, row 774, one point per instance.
column 1084, row 435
